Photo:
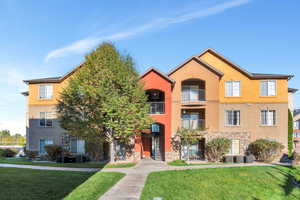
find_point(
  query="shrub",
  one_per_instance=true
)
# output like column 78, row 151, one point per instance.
column 217, row 148
column 265, row 150
column 7, row 153
column 53, row 151
column 31, row 154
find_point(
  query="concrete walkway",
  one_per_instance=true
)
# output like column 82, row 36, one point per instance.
column 50, row 168
column 131, row 186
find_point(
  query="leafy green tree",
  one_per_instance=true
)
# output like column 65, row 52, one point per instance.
column 290, row 134
column 189, row 136
column 104, row 100
column 5, row 133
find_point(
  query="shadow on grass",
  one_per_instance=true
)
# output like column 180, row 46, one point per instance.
column 289, row 177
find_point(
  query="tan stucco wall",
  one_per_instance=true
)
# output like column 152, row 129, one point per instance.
column 194, row 70
column 251, row 122
column 35, row 133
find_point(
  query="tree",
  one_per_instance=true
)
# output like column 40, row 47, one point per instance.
column 189, row 136
column 4, row 133
column 290, row 134
column 104, row 100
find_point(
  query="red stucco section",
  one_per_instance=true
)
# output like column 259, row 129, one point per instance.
column 153, row 80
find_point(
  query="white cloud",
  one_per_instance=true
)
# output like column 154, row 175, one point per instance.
column 82, row 46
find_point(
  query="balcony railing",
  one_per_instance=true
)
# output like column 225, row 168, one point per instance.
column 193, row 95
column 157, row 107
column 193, row 123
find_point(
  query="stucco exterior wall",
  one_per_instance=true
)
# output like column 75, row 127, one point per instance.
column 194, row 70
column 250, row 121
column 35, row 132
column 250, row 89
column 153, row 80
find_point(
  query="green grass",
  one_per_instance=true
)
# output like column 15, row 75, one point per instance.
column 24, row 161
column 236, row 183
column 95, row 186
column 29, row 184
column 183, row 163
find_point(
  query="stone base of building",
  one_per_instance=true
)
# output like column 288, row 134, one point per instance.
column 170, row 156
column 243, row 137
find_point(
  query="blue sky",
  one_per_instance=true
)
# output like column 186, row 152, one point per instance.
column 48, row 38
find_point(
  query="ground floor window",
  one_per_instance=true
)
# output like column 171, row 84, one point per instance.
column 268, row 117
column 235, row 147
column 232, row 117
column 77, row 146
column 194, row 151
column 43, row 143
column 120, row 151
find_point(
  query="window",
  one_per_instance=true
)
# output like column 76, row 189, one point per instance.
column 77, row 146
column 235, row 147
column 232, row 88
column 268, row 88
column 232, row 117
column 120, row 151
column 192, row 93
column 46, row 91
column 297, row 124
column 43, row 143
column 46, row 119
column 268, row 117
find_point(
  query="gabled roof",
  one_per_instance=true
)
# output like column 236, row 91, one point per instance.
column 159, row 73
column 245, row 72
column 53, row 79
column 199, row 60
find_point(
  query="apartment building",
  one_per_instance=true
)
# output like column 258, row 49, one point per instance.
column 207, row 92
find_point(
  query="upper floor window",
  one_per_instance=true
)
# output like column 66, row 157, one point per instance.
column 232, row 117
column 268, row 88
column 156, row 101
column 232, row 88
column 268, row 117
column 46, row 91
column 46, row 119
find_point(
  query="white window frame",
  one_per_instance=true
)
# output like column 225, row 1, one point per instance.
column 47, row 116
column 233, row 151
column 48, row 89
column 230, row 89
column 268, row 88
column 267, row 120
column 227, row 123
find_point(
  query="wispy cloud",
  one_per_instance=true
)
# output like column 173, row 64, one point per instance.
column 84, row 45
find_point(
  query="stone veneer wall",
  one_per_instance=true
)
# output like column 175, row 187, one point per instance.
column 244, row 138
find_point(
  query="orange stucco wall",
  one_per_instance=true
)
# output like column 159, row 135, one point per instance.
column 152, row 80
column 250, row 89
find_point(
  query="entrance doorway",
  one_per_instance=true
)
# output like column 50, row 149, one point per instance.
column 153, row 143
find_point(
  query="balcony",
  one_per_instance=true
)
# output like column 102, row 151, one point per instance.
column 192, row 95
column 193, row 123
column 157, row 107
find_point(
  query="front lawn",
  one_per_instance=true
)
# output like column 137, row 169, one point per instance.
column 184, row 163
column 24, row 161
column 29, row 184
column 263, row 183
column 95, row 186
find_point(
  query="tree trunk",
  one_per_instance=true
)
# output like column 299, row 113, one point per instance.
column 188, row 154
column 112, row 150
